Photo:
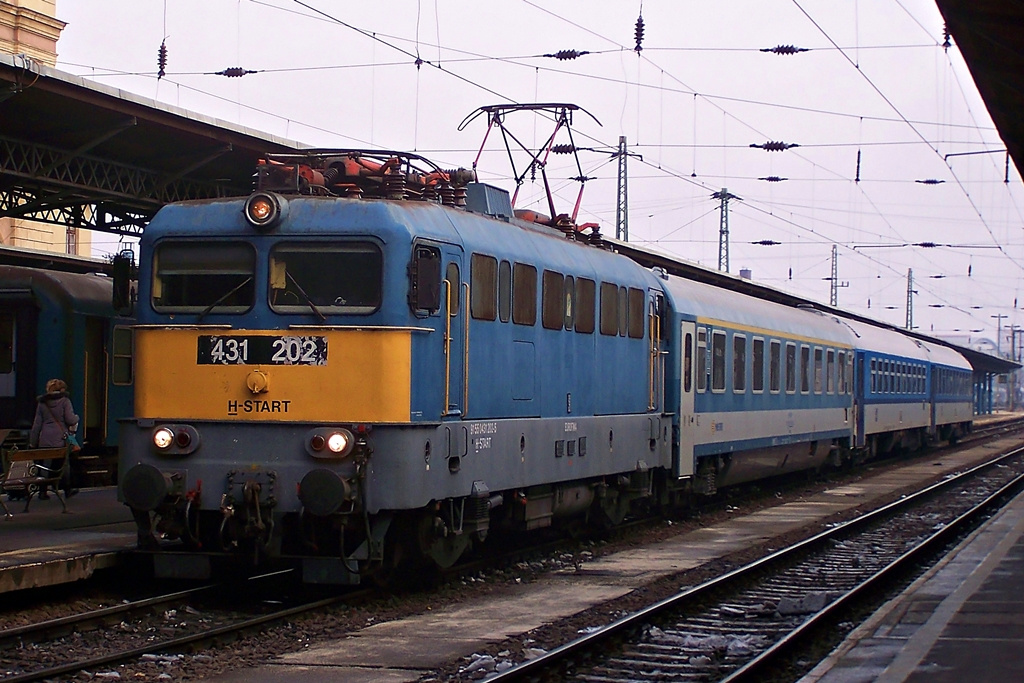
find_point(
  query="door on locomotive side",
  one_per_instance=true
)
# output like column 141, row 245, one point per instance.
column 687, row 385
column 454, row 300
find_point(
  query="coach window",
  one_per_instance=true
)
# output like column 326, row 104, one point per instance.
column 702, row 359
column 551, row 300
column 757, row 366
column 830, row 371
column 739, row 363
column 874, row 377
column 718, row 361
column 791, row 368
column 504, row 291
column 524, row 294
column 609, row 308
column 687, row 362
column 774, row 366
column 805, row 369
column 483, row 304
column 841, row 379
column 819, row 371
column 205, row 277
column 585, row 290
column 636, row 318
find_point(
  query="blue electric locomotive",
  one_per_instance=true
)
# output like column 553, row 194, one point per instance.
column 371, row 361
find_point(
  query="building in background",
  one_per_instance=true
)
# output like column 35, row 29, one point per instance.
column 30, row 29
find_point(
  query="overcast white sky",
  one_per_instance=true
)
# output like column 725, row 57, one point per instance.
column 875, row 81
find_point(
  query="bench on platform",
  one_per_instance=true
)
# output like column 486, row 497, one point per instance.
column 21, row 475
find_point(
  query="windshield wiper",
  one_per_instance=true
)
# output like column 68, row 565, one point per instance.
column 306, row 297
column 223, row 298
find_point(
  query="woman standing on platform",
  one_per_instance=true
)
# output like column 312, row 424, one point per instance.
column 55, row 419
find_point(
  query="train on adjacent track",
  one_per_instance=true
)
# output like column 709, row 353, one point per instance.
column 60, row 324
column 371, row 362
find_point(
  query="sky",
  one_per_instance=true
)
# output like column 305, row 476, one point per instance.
column 875, row 104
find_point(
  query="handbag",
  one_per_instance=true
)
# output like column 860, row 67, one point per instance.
column 69, row 437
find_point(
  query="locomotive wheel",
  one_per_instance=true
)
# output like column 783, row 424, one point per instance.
column 443, row 550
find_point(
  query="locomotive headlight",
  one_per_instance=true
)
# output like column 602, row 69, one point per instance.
column 264, row 209
column 163, row 438
column 339, row 442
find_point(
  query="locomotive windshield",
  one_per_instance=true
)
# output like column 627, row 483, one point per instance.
column 203, row 277
column 343, row 277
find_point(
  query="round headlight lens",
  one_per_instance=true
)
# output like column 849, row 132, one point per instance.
column 163, row 438
column 182, row 439
column 318, row 442
column 263, row 209
column 337, row 442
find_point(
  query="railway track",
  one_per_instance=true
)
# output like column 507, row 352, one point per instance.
column 754, row 622
column 154, row 627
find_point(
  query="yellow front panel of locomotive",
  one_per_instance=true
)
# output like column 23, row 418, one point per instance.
column 365, row 378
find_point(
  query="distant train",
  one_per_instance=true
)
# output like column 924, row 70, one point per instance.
column 57, row 324
column 370, row 362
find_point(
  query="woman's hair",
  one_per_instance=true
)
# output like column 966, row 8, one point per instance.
column 55, row 385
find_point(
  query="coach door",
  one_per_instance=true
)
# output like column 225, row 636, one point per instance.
column 454, row 298
column 687, row 382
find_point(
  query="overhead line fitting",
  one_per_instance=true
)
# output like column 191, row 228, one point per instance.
column 161, row 60
column 639, row 32
column 784, row 49
column 235, row 72
column 775, row 146
column 564, row 55
column 773, row 179
column 930, row 181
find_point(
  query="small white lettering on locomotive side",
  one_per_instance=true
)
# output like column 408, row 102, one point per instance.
column 483, row 428
column 481, row 443
column 570, row 426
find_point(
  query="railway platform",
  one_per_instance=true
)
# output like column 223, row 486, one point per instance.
column 46, row 547
column 961, row 621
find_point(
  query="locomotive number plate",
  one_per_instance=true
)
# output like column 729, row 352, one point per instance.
column 252, row 350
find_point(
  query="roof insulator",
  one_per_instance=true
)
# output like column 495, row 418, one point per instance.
column 234, row 72
column 784, row 49
column 564, row 55
column 161, row 60
column 773, row 146
column 639, row 32
column 563, row 149
column 773, row 179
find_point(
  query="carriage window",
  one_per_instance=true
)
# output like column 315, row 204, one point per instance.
column 874, row 377
column 207, row 276
column 636, row 318
column 757, row 365
column 121, row 355
column 585, row 290
column 702, row 359
column 790, row 368
column 609, row 308
column 739, row 362
column 819, row 372
column 830, row 371
column 775, row 366
column 805, row 369
column 524, row 294
column 504, row 291
column 842, row 372
column 552, row 306
column 483, row 288
column 687, row 363
column 718, row 361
